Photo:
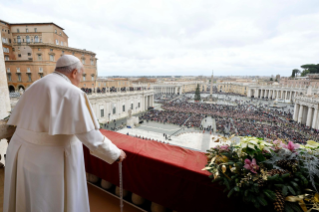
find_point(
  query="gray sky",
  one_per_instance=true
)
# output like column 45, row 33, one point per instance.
column 183, row 37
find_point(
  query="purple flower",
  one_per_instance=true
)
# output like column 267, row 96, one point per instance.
column 251, row 165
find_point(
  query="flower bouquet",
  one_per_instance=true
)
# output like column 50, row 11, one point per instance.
column 275, row 175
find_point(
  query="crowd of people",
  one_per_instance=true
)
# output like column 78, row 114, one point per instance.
column 245, row 119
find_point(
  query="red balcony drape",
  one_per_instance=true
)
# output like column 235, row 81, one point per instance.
column 165, row 174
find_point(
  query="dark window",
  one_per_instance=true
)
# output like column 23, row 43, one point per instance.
column 19, row 55
column 123, row 108
column 102, row 112
column 8, row 31
column 9, row 40
column 132, row 106
column 13, row 49
column 29, row 54
column 114, row 110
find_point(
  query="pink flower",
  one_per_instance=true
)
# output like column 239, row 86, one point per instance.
column 277, row 145
column 251, row 165
column 291, row 146
column 222, row 148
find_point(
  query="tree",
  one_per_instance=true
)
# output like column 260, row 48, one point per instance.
column 271, row 79
column 310, row 69
column 197, row 93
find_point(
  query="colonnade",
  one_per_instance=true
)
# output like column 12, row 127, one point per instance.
column 168, row 90
column 286, row 95
column 306, row 114
column 149, row 101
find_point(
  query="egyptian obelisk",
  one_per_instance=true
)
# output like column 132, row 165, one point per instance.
column 5, row 106
column 211, row 86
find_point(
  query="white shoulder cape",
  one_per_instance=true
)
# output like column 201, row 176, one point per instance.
column 54, row 105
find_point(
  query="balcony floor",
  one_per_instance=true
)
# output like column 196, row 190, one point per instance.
column 99, row 200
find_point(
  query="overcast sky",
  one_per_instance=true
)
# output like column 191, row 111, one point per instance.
column 183, row 37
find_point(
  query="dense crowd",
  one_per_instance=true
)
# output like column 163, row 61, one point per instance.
column 244, row 119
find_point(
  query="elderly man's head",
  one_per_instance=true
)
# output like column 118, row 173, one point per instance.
column 71, row 67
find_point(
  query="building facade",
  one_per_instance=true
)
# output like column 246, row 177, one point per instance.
column 115, row 105
column 177, row 87
column 32, row 49
column 233, row 87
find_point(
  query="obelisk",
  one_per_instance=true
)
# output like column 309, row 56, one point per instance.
column 5, row 106
column 211, row 86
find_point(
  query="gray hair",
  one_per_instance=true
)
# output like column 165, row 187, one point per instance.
column 68, row 69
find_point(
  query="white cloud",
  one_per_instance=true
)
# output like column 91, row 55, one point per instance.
column 183, row 37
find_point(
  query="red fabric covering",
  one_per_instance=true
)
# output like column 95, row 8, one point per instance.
column 165, row 174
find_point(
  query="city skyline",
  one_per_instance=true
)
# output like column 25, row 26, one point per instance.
column 182, row 37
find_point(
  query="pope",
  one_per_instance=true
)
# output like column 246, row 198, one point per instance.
column 44, row 164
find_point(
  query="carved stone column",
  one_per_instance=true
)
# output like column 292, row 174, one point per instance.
column 309, row 116
column 315, row 119
column 296, row 111
column 5, row 106
column 300, row 113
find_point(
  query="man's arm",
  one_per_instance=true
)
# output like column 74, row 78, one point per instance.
column 101, row 146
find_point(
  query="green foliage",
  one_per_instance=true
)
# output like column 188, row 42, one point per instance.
column 257, row 186
column 310, row 69
column 197, row 93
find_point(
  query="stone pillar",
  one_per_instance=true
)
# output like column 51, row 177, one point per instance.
column 300, row 113
column 304, row 115
column 309, row 117
column 314, row 121
column 296, row 111
column 5, row 106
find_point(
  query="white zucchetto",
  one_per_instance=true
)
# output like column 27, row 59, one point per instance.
column 66, row 60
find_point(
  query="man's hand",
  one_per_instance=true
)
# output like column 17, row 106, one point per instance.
column 122, row 156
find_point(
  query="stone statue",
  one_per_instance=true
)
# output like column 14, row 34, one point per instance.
column 129, row 114
column 21, row 91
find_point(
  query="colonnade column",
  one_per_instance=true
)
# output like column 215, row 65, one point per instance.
column 314, row 121
column 300, row 113
column 309, row 116
column 296, row 112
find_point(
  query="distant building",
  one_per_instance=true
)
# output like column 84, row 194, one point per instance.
column 32, row 49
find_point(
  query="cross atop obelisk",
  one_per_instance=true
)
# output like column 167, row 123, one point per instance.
column 5, row 106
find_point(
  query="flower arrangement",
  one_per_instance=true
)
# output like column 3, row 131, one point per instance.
column 275, row 175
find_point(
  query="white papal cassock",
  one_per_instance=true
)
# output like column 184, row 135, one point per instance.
column 44, row 164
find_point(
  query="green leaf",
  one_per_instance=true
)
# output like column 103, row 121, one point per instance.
column 284, row 191
column 294, row 206
column 246, row 193
column 230, row 193
column 260, row 158
column 294, row 184
column 217, row 179
column 279, row 185
column 288, row 209
column 285, row 175
column 291, row 190
column 296, row 179
column 236, row 188
column 262, row 201
column 226, row 183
